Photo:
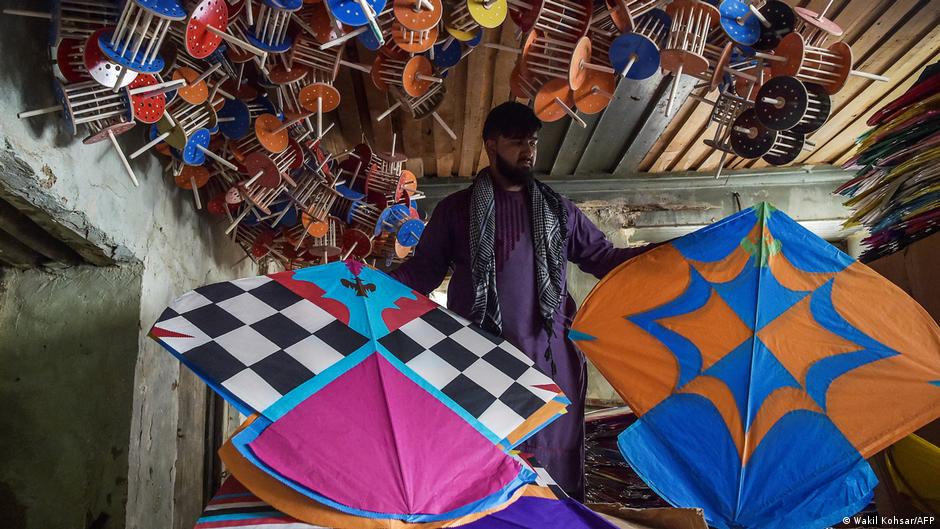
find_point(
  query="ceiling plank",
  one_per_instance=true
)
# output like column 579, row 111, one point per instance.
column 616, row 124
column 476, row 99
column 549, row 140
column 427, row 136
column 897, row 59
column 460, row 74
column 348, row 114
column 654, row 122
column 574, row 143
column 502, row 70
column 681, row 134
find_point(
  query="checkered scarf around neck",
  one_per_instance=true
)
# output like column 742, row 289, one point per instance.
column 549, row 229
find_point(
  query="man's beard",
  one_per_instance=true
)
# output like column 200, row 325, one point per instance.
column 513, row 174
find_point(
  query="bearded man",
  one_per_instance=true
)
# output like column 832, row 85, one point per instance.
column 508, row 239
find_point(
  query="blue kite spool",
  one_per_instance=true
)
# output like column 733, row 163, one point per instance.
column 410, row 232
column 631, row 45
column 739, row 23
column 192, row 154
column 447, row 55
column 239, row 127
column 349, row 12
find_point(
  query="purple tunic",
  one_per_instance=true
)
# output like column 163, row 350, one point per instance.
column 445, row 245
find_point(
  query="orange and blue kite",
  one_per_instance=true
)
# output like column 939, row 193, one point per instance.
column 765, row 366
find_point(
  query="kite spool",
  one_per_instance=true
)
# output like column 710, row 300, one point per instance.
column 73, row 19
column 814, row 27
column 185, row 127
column 360, row 13
column 724, row 111
column 356, row 243
column 581, row 65
column 365, row 216
column 741, row 22
column 415, row 27
column 148, row 98
column 718, row 65
column 289, row 83
column 86, row 103
column 269, row 31
column 413, row 75
column 566, row 20
column 317, row 201
column 366, row 34
column 636, row 55
column 830, row 67
column 328, row 245
column 385, row 179
column 324, row 63
column 785, row 103
column 624, row 13
column 101, row 68
column 595, row 93
column 106, row 114
column 692, row 20
column 602, row 22
column 135, row 41
column 553, row 100
column 69, row 61
column 413, row 41
column 782, row 21
column 750, row 139
column 205, row 29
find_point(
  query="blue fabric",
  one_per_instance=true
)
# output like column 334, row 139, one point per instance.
column 803, row 473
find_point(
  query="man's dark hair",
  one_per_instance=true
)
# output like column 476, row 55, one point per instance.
column 511, row 120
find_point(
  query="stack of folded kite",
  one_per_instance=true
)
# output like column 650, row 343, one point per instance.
column 371, row 406
column 896, row 193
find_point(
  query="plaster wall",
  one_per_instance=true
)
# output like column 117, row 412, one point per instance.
column 68, row 354
column 90, row 199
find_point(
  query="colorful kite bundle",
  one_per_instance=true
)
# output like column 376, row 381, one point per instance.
column 896, row 193
column 371, row 407
column 763, row 372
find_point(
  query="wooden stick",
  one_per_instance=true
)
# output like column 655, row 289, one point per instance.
column 217, row 158
column 292, row 122
column 150, row 144
column 164, row 87
column 235, row 40
column 192, row 184
column 354, row 66
column 429, row 78
column 207, row 73
column 127, row 165
column 672, row 91
column 758, row 15
column 388, row 112
column 443, row 124
column 630, row 63
column 501, row 47
column 39, row 112
column 866, row 75
column 574, row 115
column 341, row 39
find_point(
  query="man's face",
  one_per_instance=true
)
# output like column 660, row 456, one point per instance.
column 514, row 157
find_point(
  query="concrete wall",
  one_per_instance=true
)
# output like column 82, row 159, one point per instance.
column 89, row 197
column 68, row 353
